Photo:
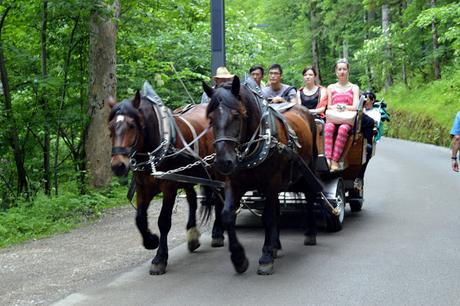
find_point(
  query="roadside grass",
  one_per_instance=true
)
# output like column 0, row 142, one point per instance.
column 424, row 112
column 46, row 216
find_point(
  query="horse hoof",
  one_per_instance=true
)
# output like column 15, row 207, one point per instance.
column 151, row 242
column 193, row 245
column 265, row 269
column 217, row 242
column 309, row 240
column 243, row 267
column 158, row 269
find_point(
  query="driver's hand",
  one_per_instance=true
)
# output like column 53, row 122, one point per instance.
column 278, row 100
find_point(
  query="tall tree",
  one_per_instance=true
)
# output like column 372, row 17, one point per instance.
column 314, row 39
column 434, row 39
column 386, row 35
column 103, row 82
column 44, row 102
column 22, row 185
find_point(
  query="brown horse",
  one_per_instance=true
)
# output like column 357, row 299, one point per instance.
column 256, row 150
column 147, row 137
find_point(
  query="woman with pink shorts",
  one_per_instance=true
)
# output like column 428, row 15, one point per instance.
column 342, row 96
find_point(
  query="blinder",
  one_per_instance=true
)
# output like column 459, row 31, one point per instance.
column 122, row 151
column 131, row 150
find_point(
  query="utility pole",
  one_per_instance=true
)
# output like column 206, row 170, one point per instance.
column 217, row 34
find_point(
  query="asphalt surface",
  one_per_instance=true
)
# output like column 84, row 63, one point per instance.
column 402, row 249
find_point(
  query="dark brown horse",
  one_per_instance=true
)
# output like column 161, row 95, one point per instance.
column 147, row 137
column 256, row 150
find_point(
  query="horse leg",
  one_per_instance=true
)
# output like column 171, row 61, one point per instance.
column 238, row 257
column 269, row 219
column 217, row 228
column 310, row 223
column 143, row 198
column 193, row 235
column 160, row 261
column 277, row 243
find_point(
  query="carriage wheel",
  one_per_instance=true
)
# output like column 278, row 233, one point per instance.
column 334, row 223
column 356, row 200
column 356, row 205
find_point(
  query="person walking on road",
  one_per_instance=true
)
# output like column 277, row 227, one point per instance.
column 455, row 133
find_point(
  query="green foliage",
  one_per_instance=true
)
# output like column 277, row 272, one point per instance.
column 424, row 113
column 448, row 20
column 46, row 216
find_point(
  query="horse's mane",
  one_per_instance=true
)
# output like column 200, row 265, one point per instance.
column 125, row 107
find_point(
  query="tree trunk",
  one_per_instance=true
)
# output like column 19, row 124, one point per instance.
column 402, row 8
column 345, row 49
column 370, row 19
column 434, row 38
column 44, row 102
column 102, row 65
column 22, row 186
column 386, row 35
column 314, row 41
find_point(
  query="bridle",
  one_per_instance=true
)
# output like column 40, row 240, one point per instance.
column 236, row 140
column 129, row 151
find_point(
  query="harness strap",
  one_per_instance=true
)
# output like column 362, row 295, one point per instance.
column 292, row 136
column 121, row 151
column 196, row 145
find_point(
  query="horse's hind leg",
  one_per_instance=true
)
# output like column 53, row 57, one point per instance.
column 270, row 221
column 193, row 235
column 310, row 222
column 160, row 261
column 143, row 198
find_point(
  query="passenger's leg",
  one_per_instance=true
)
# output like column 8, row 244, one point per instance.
column 340, row 141
column 329, row 130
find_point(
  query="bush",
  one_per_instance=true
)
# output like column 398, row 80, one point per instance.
column 45, row 216
column 425, row 112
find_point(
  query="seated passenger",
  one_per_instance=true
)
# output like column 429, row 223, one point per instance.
column 312, row 96
column 343, row 96
column 222, row 76
column 257, row 74
column 368, row 107
column 277, row 92
column 370, row 118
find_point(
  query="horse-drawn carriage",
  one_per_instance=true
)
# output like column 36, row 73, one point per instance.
column 253, row 147
column 342, row 187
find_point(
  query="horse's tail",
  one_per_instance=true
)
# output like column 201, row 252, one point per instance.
column 207, row 204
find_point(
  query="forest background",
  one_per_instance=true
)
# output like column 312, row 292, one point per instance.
column 59, row 58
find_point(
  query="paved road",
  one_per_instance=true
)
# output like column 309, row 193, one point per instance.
column 402, row 249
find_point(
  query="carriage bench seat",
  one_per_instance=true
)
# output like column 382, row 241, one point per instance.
column 282, row 107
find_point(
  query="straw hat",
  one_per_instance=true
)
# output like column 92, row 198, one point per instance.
column 222, row 73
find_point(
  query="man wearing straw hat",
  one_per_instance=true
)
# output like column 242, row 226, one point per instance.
column 222, row 76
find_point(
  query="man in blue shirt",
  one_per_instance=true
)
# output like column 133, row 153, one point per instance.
column 455, row 133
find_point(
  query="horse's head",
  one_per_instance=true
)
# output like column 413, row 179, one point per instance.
column 125, row 124
column 227, row 115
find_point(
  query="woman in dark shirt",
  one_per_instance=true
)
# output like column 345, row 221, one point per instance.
column 312, row 96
